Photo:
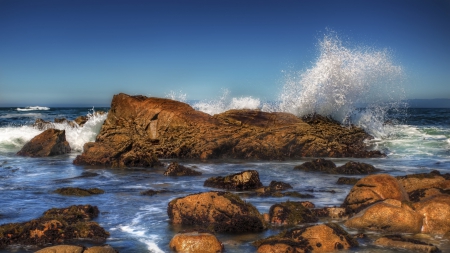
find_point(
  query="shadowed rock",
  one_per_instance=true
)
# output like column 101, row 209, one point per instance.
column 347, row 180
column 176, row 169
column 423, row 185
column 411, row 245
column 317, row 165
column 326, row 166
column 245, row 180
column 75, row 191
column 216, row 211
column 172, row 129
column 330, row 212
column 51, row 142
column 290, row 213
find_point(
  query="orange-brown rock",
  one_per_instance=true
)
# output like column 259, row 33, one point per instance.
column 389, row 216
column 77, row 249
column 176, row 169
column 195, row 242
column 216, row 211
column 49, row 143
column 436, row 213
column 290, row 213
column 171, row 129
column 317, row 238
column 245, row 180
column 371, row 189
column 423, row 185
column 410, row 245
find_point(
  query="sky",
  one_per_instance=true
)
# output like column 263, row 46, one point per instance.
column 82, row 52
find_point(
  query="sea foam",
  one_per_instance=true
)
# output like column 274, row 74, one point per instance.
column 33, row 108
column 225, row 103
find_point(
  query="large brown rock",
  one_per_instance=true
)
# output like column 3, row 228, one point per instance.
column 195, row 242
column 216, row 211
column 371, row 189
column 410, row 245
column 172, row 129
column 388, row 216
column 49, row 143
column 423, row 185
column 436, row 213
column 176, row 169
column 317, row 238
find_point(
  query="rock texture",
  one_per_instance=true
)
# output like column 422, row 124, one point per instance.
column 329, row 167
column 77, row 249
column 423, row 185
column 138, row 127
column 216, row 211
column 176, row 169
column 195, row 242
column 436, row 213
column 246, row 180
column 317, row 238
column 75, row 191
column 290, row 213
column 56, row 226
column 410, row 245
column 49, row 143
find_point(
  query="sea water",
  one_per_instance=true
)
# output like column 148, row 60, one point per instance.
column 345, row 83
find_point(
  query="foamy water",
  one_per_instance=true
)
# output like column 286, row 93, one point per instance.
column 34, row 108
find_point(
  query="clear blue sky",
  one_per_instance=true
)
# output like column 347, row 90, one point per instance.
column 81, row 52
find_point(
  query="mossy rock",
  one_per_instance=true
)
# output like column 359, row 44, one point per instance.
column 75, row 191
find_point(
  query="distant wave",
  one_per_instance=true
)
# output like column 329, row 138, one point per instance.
column 33, row 108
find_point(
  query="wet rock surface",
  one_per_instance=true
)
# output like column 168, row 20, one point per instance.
column 176, row 169
column 436, row 213
column 411, row 245
column 290, row 213
column 216, row 211
column 329, row 167
column 171, row 129
column 55, row 226
column 246, row 180
column 51, row 142
column 75, row 191
column 196, row 242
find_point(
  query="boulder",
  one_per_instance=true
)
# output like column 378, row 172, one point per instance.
column 216, row 211
column 81, row 120
column 101, row 249
column 245, row 180
column 347, row 180
column 317, row 165
column 371, row 189
column 315, row 238
column 389, row 216
column 436, row 213
column 423, row 185
column 330, row 212
column 196, row 242
column 326, row 166
column 410, row 245
column 279, row 186
column 62, row 249
column 420, row 194
column 49, row 143
column 55, row 226
column 176, row 169
column 75, row 191
column 171, row 129
column 356, row 168
column 290, row 213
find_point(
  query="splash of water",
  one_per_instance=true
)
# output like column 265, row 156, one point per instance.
column 342, row 80
column 225, row 103
column 177, row 95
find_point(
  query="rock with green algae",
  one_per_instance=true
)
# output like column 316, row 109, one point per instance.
column 216, row 211
column 75, row 191
column 312, row 238
column 55, row 226
column 290, row 213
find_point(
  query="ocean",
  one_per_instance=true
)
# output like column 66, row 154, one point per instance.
column 138, row 223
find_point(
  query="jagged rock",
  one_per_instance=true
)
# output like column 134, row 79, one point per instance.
column 195, row 242
column 371, row 189
column 389, row 215
column 315, row 238
column 397, row 241
column 436, row 213
column 330, row 212
column 290, row 213
column 75, row 191
column 172, row 129
column 55, row 226
column 347, row 180
column 81, row 120
column 176, row 169
column 216, row 211
column 41, row 124
column 245, row 180
column 49, row 143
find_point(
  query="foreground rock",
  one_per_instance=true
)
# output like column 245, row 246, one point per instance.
column 246, row 180
column 216, row 211
column 424, row 185
column 56, row 226
column 329, row 167
column 411, row 245
column 317, row 238
column 75, row 191
column 371, row 189
column 195, row 242
column 176, row 169
column 290, row 213
column 436, row 213
column 170, row 129
column 77, row 249
column 51, row 142
column 388, row 216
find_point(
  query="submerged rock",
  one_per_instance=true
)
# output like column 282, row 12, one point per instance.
column 290, row 213
column 55, row 226
column 172, row 129
column 245, row 180
column 329, row 167
column 317, row 165
column 195, row 242
column 216, row 211
column 153, row 192
column 49, row 143
column 398, row 242
column 315, row 238
column 75, row 191
column 176, row 169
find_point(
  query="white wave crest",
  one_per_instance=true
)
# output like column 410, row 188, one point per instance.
column 33, row 108
column 224, row 103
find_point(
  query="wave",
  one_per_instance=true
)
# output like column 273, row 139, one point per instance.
column 225, row 103
column 33, row 108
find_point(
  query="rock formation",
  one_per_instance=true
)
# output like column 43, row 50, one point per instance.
column 327, row 166
column 290, row 213
column 195, row 242
column 176, row 169
column 139, row 128
column 245, row 180
column 49, row 143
